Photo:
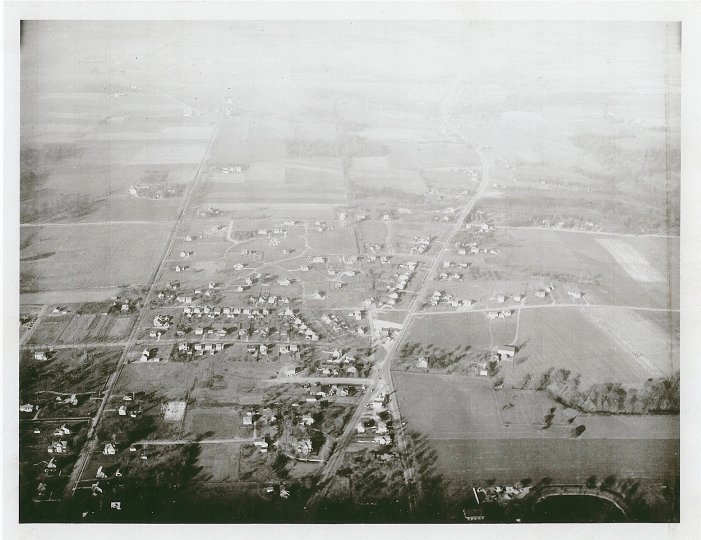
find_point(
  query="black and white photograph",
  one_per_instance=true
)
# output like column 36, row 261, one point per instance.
column 345, row 270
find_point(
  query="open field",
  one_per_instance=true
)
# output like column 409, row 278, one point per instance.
column 568, row 338
column 219, row 462
column 213, row 422
column 461, row 418
column 110, row 255
column 580, row 259
column 460, row 329
column 507, row 461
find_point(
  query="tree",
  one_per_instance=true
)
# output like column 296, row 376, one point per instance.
column 609, row 482
column 576, row 432
column 591, row 481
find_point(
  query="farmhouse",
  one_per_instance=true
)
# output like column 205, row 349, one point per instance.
column 422, row 363
column 40, row 355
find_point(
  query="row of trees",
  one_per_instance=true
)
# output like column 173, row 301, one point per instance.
column 654, row 396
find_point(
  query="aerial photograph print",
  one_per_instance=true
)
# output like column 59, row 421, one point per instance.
column 348, row 271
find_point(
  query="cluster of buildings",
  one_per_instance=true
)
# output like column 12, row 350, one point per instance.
column 501, row 314
column 472, row 248
column 371, row 429
column 421, row 245
column 339, row 325
column 337, row 362
column 397, row 288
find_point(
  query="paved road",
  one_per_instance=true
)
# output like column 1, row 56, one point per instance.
column 91, row 443
column 576, row 231
column 519, row 307
column 382, row 374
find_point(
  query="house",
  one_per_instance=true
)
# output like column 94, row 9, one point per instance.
column 161, row 321
column 109, row 449
column 304, row 446
column 307, row 420
column 248, row 419
column 115, row 505
column 492, row 315
column 506, row 351
column 28, row 407
column 517, row 297
column 540, row 294
column 40, row 355
column 262, row 445
column 422, row 363
column 58, row 447
column 122, row 411
column 501, row 298
column 574, row 294
column 199, row 331
column 283, row 282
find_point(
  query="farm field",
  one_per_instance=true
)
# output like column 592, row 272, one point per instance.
column 461, row 418
column 580, row 258
column 459, row 329
column 475, row 461
column 568, row 338
column 109, row 256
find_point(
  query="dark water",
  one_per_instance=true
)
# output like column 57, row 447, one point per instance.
column 576, row 509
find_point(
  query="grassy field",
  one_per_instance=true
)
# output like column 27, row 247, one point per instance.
column 452, row 330
column 475, row 461
column 580, row 259
column 463, row 420
column 99, row 256
column 569, row 338
column 217, row 422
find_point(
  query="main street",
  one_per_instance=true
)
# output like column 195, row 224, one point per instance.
column 382, row 375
